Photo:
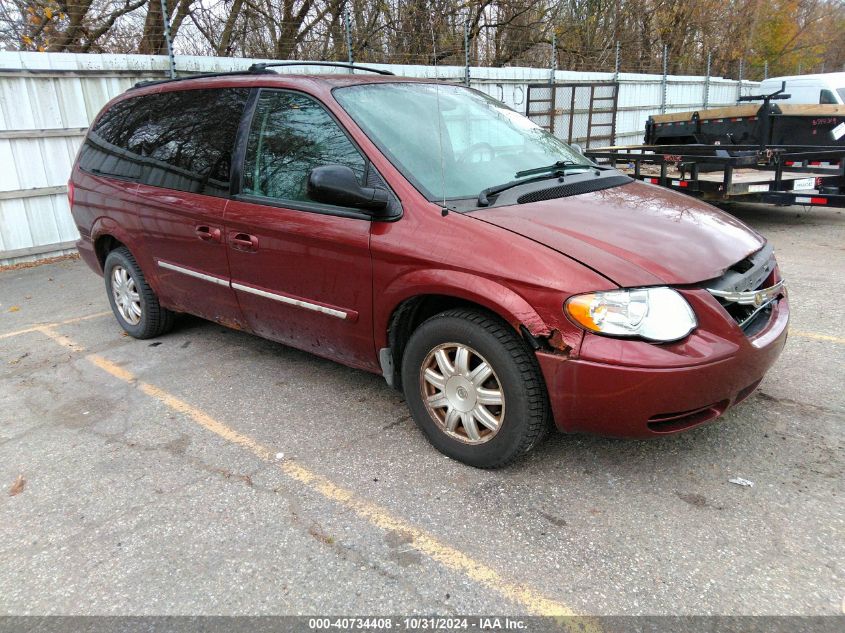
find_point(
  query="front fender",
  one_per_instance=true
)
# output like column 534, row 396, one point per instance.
column 485, row 292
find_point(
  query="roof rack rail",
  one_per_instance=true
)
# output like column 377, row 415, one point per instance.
column 261, row 67
column 258, row 69
column 231, row 73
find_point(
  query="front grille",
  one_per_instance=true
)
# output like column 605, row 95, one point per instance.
column 753, row 324
column 574, row 189
column 747, row 290
column 750, row 318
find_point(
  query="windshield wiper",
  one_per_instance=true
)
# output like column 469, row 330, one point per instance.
column 561, row 165
column 492, row 191
column 542, row 173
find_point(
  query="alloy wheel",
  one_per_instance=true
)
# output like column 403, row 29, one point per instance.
column 462, row 393
column 126, row 297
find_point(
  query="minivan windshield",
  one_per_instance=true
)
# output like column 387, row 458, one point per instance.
column 449, row 141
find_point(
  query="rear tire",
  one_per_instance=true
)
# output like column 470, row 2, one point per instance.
column 475, row 388
column 133, row 302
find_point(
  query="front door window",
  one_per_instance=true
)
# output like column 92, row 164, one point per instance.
column 292, row 134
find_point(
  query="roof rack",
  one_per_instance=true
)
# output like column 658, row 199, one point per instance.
column 260, row 67
column 230, row 73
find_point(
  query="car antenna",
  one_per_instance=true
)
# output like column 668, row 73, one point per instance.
column 444, row 210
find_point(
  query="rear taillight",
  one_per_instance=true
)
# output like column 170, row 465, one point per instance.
column 70, row 193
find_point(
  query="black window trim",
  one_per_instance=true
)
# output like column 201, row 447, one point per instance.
column 308, row 207
column 239, row 157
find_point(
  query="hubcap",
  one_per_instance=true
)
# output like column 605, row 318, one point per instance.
column 126, row 296
column 462, row 393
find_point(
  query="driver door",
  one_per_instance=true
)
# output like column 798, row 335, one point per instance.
column 300, row 269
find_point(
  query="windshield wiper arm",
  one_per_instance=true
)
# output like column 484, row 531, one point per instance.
column 557, row 170
column 491, row 191
column 561, row 165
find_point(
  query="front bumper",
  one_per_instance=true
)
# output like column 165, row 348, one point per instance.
column 622, row 395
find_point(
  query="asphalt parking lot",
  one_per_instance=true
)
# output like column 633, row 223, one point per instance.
column 213, row 472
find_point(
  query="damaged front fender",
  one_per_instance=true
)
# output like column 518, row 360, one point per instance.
column 482, row 291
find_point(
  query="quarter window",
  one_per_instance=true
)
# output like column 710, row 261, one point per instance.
column 291, row 134
column 827, row 97
column 178, row 140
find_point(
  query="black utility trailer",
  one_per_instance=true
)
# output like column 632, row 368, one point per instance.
column 766, row 124
column 774, row 174
column 776, row 154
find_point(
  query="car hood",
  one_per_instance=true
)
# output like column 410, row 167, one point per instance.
column 635, row 234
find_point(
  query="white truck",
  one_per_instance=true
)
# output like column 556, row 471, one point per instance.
column 827, row 88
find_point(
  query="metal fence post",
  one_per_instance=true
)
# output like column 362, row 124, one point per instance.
column 553, row 65
column 739, row 83
column 707, row 83
column 664, row 82
column 165, row 17
column 616, row 66
column 466, row 53
column 348, row 26
column 766, row 69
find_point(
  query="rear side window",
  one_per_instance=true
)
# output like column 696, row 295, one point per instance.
column 827, row 97
column 291, row 134
column 177, row 140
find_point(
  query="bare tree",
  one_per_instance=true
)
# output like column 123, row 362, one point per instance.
column 785, row 34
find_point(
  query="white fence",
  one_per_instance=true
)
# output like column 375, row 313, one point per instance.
column 47, row 100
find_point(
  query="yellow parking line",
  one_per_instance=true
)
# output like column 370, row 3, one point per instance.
column 38, row 328
column 19, row 332
column 97, row 315
column 817, row 337
column 61, row 339
column 422, row 541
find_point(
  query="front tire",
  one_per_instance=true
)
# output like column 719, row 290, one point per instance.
column 133, row 302
column 474, row 388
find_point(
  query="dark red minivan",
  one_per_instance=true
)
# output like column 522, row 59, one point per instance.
column 426, row 232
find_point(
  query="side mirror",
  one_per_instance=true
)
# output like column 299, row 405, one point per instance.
column 577, row 148
column 337, row 184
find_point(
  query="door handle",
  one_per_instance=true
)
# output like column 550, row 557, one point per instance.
column 243, row 242
column 208, row 233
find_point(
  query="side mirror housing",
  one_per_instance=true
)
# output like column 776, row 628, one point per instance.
column 337, row 184
column 577, row 148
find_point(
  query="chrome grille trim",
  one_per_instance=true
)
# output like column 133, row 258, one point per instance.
column 757, row 297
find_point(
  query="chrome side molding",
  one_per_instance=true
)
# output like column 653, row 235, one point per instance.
column 299, row 303
column 193, row 273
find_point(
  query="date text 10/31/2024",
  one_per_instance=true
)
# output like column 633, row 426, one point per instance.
column 487, row 623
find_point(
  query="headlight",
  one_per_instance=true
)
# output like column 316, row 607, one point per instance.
column 655, row 314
